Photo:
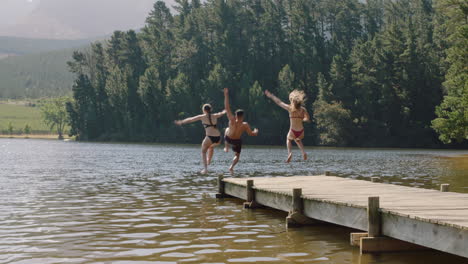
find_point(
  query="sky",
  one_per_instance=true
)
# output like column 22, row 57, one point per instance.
column 71, row 19
column 13, row 10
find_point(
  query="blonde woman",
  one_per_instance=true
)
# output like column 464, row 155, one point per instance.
column 213, row 136
column 297, row 115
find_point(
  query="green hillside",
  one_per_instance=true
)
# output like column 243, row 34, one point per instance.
column 23, row 46
column 36, row 75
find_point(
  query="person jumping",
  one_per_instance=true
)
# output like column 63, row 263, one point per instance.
column 213, row 136
column 236, row 128
column 297, row 115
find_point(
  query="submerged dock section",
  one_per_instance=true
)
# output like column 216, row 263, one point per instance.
column 393, row 218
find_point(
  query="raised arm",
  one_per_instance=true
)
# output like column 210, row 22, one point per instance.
column 277, row 100
column 220, row 114
column 249, row 130
column 188, row 120
column 306, row 115
column 227, row 107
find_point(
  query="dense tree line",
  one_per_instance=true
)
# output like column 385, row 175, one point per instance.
column 373, row 71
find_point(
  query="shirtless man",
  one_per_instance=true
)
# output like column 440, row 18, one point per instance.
column 237, row 127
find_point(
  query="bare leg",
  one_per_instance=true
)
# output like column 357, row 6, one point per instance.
column 205, row 145
column 234, row 162
column 289, row 145
column 210, row 153
column 226, row 145
column 205, row 165
column 301, row 146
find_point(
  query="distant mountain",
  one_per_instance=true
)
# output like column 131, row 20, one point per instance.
column 75, row 19
column 45, row 33
column 36, row 75
column 13, row 46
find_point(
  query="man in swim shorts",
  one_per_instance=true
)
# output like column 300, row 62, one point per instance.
column 237, row 127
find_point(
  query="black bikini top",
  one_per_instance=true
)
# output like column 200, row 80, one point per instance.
column 211, row 123
column 207, row 126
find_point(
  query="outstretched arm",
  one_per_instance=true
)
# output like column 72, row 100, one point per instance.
column 249, row 130
column 277, row 100
column 227, row 107
column 188, row 120
column 220, row 114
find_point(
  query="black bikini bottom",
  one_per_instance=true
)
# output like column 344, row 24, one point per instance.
column 214, row 140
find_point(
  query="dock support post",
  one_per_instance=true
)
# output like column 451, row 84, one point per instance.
column 221, row 193
column 375, row 179
column 370, row 241
column 387, row 244
column 355, row 238
column 373, row 217
column 298, row 205
column 373, row 241
column 327, row 173
column 444, row 187
column 250, row 203
column 296, row 216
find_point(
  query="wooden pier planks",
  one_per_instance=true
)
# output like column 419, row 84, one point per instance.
column 425, row 217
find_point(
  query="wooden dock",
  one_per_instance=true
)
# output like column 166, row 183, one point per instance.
column 394, row 217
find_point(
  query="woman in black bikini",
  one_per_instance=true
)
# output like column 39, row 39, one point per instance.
column 297, row 115
column 213, row 136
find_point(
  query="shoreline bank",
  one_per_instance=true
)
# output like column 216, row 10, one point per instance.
column 33, row 136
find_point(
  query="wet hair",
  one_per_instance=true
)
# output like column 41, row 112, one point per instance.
column 239, row 113
column 296, row 98
column 207, row 108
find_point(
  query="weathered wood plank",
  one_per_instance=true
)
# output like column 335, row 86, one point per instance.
column 235, row 190
column 339, row 214
column 443, row 238
column 274, row 200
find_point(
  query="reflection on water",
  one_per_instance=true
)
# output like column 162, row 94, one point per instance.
column 115, row 203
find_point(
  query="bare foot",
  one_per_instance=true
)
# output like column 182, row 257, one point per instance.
column 204, row 171
column 289, row 158
column 231, row 169
column 226, row 149
column 304, row 155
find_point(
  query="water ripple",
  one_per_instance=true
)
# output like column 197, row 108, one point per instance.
column 123, row 203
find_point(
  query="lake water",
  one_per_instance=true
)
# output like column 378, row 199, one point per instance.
column 69, row 202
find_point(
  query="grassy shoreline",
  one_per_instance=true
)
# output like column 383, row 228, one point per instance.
column 34, row 136
column 19, row 114
column 22, row 113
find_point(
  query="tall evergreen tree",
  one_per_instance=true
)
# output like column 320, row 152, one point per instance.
column 452, row 115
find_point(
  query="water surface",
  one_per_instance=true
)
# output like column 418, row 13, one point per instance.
column 69, row 202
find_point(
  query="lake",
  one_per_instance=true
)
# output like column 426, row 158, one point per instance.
column 71, row 202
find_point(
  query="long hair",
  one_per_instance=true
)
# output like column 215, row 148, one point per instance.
column 297, row 99
column 207, row 108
